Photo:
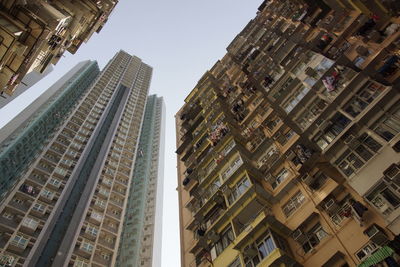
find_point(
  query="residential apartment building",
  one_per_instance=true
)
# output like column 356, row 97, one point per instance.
column 141, row 238
column 288, row 148
column 29, row 80
column 67, row 206
column 23, row 137
column 36, row 33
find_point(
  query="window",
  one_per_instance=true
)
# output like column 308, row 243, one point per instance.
column 311, row 112
column 61, row 171
column 96, row 216
column 101, row 203
column 30, row 223
column 55, row 182
column 7, row 260
column 359, row 152
column 366, row 251
column 19, row 241
column 225, row 151
column 266, row 246
column 239, row 190
column 226, row 238
column 92, row 230
column 235, row 263
column 252, row 262
column 110, row 171
column 233, row 166
column 314, row 236
column 343, row 213
column 388, row 126
column 363, row 98
column 282, row 88
column 283, row 136
column 87, row 246
column 333, row 128
column 271, row 124
column 39, row 207
column 293, row 203
column 67, row 162
column 271, row 154
column 107, row 181
column 280, row 177
column 295, row 98
column 8, row 215
column 104, row 192
column 384, row 197
column 81, row 263
column 47, row 194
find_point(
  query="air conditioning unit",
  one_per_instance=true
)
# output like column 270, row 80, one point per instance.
column 213, row 236
column 376, row 235
column 250, row 251
column 330, row 206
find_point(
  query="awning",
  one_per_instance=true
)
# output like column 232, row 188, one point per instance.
column 378, row 256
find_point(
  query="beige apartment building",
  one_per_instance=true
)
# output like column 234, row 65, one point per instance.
column 288, row 147
column 36, row 33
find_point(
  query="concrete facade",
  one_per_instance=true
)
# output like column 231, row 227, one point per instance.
column 288, row 147
column 34, row 34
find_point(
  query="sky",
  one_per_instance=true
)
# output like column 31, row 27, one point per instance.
column 181, row 40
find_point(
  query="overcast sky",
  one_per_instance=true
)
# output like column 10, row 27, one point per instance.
column 180, row 39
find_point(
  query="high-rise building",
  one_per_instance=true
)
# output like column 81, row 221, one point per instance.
column 36, row 33
column 288, row 148
column 23, row 137
column 140, row 243
column 67, row 208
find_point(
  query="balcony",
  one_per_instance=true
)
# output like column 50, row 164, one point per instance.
column 104, row 241
column 258, row 138
column 268, row 159
column 11, row 223
column 101, row 259
column 268, row 252
column 191, row 180
column 8, row 260
column 38, row 178
column 29, row 190
column 255, row 198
